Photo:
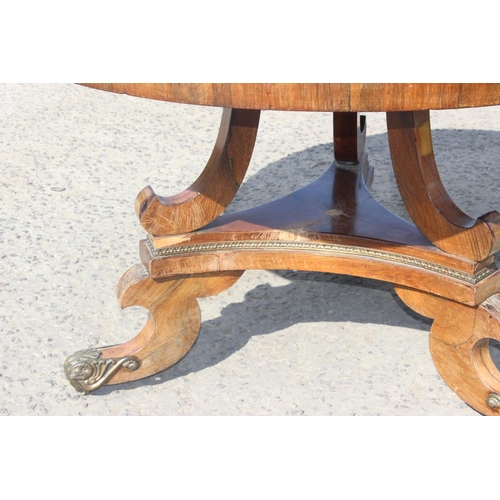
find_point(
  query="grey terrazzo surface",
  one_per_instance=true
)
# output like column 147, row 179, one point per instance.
column 277, row 343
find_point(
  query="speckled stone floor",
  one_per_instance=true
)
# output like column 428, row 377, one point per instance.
column 277, row 343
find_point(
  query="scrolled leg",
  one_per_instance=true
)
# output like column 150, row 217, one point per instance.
column 214, row 189
column 169, row 333
column 459, row 344
column 425, row 197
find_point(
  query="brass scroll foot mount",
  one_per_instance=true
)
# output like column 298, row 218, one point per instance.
column 88, row 371
column 493, row 401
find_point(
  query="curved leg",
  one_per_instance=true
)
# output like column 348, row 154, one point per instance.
column 459, row 344
column 214, row 189
column 425, row 197
column 169, row 333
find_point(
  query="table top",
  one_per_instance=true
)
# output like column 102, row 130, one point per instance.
column 317, row 96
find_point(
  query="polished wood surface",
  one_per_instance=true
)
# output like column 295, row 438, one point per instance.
column 459, row 344
column 174, row 320
column 425, row 197
column 349, row 135
column 317, row 96
column 442, row 266
column 311, row 230
column 211, row 193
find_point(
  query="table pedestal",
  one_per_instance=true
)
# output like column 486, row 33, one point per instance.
column 442, row 267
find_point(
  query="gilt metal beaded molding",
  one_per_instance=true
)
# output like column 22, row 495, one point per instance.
column 329, row 248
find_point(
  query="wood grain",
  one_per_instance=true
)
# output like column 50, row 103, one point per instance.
column 333, row 225
column 349, row 135
column 442, row 268
column 211, row 193
column 425, row 197
column 459, row 343
column 174, row 320
column 317, row 96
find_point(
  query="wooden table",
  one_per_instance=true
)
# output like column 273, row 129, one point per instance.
column 442, row 267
